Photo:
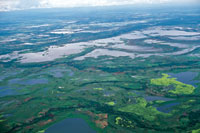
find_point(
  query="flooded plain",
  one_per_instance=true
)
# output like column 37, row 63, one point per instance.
column 70, row 125
column 185, row 77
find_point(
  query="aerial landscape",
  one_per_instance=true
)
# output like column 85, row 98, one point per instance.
column 100, row 69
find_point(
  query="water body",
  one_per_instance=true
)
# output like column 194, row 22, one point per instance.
column 154, row 98
column 28, row 82
column 71, row 125
column 140, row 93
column 105, row 52
column 167, row 107
column 8, row 74
column 58, row 73
column 5, row 91
column 185, row 77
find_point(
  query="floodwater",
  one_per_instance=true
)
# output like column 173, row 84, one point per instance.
column 105, row 52
column 167, row 107
column 28, row 82
column 154, row 98
column 185, row 77
column 168, row 31
column 59, row 72
column 70, row 125
column 5, row 91
column 9, row 73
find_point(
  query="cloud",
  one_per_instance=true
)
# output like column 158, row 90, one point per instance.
column 72, row 3
column 27, row 4
column 7, row 4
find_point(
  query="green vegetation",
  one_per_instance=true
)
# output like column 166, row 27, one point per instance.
column 111, row 94
column 124, row 123
column 99, row 89
column 95, row 98
column 159, row 101
column 117, row 120
column 141, row 109
column 196, row 131
column 111, row 103
column 42, row 131
column 1, row 118
column 180, row 88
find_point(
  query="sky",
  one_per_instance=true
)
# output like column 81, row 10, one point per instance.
column 6, row 5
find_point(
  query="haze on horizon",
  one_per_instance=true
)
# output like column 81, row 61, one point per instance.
column 7, row 5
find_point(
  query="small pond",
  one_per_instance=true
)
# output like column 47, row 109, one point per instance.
column 70, row 125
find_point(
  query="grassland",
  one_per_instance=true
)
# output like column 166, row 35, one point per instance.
column 141, row 109
column 180, row 88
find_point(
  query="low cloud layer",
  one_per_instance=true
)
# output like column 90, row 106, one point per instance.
column 27, row 4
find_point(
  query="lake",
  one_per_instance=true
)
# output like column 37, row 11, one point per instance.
column 70, row 125
column 185, row 77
